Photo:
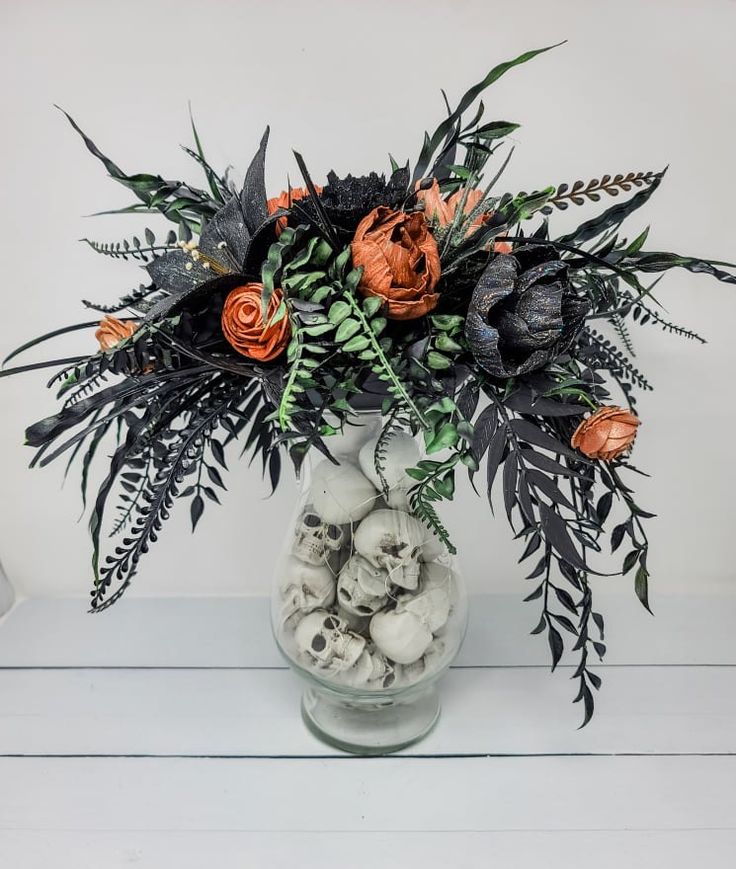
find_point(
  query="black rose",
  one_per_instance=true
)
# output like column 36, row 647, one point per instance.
column 523, row 312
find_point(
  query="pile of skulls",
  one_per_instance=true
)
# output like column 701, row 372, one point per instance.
column 367, row 591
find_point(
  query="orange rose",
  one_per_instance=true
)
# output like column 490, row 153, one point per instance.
column 243, row 327
column 400, row 260
column 284, row 201
column 606, row 434
column 112, row 331
column 444, row 210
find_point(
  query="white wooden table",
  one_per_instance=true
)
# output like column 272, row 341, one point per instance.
column 166, row 733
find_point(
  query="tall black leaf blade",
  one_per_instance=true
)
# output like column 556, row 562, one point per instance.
column 253, row 196
column 556, row 645
column 228, row 230
column 49, row 428
column 433, row 142
column 555, row 530
column 641, row 587
column 529, row 432
column 484, row 429
column 549, row 488
column 115, row 171
column 495, row 454
column 326, row 224
column 50, row 363
column 196, row 509
column 659, row 261
column 612, row 216
column 522, row 401
column 586, row 695
column 544, row 462
column 510, row 476
column 56, row 332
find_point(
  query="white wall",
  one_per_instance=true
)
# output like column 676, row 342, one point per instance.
column 639, row 85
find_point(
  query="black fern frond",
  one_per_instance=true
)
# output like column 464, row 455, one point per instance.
column 176, row 457
column 622, row 330
column 600, row 353
column 134, row 249
column 134, row 299
column 643, row 315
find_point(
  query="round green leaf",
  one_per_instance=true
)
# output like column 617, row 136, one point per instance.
column 346, row 330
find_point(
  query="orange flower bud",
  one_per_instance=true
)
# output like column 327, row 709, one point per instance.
column 112, row 331
column 443, row 210
column 284, row 200
column 606, row 434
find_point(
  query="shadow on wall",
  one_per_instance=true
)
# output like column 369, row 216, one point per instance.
column 7, row 595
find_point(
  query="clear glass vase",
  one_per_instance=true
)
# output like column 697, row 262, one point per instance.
column 368, row 607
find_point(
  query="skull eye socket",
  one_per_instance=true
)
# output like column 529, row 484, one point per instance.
column 319, row 643
column 388, row 680
column 331, row 623
column 334, row 532
column 344, row 594
column 366, row 610
column 312, row 520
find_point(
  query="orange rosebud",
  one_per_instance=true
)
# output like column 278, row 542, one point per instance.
column 112, row 331
column 435, row 207
column 606, row 434
column 284, row 200
column 444, row 210
column 400, row 260
column 472, row 200
column 243, row 326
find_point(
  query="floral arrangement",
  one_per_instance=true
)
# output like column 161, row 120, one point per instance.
column 456, row 306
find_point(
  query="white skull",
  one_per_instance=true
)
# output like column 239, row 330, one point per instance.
column 396, row 453
column 428, row 664
column 392, row 539
column 341, row 494
column 401, row 636
column 328, row 642
column 305, row 587
column 431, row 604
column 371, row 670
column 315, row 538
column 432, row 547
column 362, row 589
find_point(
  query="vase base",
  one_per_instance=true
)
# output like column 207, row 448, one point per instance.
column 370, row 727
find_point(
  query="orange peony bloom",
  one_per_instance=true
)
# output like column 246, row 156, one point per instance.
column 444, row 210
column 606, row 434
column 400, row 260
column 284, row 200
column 112, row 331
column 243, row 327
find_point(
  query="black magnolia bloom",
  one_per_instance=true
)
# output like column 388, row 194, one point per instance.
column 523, row 312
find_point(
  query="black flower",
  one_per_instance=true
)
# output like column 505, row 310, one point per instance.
column 523, row 312
column 347, row 200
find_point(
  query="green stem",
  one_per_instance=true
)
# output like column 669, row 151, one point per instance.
column 385, row 364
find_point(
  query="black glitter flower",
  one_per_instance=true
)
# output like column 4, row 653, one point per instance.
column 348, row 200
column 523, row 312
